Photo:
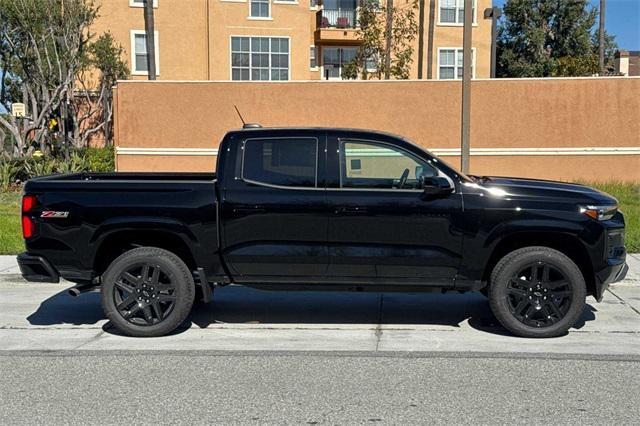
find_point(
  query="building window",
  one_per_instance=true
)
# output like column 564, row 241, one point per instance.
column 450, row 64
column 259, row 58
column 313, row 58
column 335, row 58
column 140, row 3
column 452, row 12
column 139, row 65
column 260, row 9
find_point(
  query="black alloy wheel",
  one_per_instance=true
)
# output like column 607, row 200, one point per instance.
column 537, row 292
column 147, row 292
column 539, row 295
column 144, row 294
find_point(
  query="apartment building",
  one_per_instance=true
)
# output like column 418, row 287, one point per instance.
column 282, row 39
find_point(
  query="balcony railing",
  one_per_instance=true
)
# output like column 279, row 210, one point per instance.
column 338, row 18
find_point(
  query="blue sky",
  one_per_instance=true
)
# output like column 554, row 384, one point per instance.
column 622, row 19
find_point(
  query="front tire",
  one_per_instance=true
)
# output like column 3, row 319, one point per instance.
column 147, row 292
column 537, row 292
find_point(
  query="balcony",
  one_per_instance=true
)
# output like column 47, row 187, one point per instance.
column 336, row 26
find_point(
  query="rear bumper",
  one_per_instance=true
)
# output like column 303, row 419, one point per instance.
column 37, row 269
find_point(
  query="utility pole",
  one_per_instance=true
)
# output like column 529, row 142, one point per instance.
column 494, row 13
column 601, row 36
column 421, row 40
column 387, row 36
column 466, row 86
column 149, row 29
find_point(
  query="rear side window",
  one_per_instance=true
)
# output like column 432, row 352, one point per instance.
column 283, row 162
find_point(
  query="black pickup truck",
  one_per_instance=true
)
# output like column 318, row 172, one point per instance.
column 323, row 209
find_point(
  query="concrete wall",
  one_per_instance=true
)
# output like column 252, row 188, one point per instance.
column 564, row 129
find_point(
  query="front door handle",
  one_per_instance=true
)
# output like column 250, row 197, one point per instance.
column 351, row 210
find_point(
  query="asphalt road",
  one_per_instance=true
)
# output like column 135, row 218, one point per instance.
column 314, row 388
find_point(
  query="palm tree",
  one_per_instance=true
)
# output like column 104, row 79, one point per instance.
column 601, row 36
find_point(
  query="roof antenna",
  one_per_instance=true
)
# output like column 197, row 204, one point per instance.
column 240, row 115
column 244, row 124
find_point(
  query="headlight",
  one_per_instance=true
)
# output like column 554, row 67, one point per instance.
column 599, row 212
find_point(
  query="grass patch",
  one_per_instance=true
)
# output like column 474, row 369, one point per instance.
column 627, row 194
column 10, row 228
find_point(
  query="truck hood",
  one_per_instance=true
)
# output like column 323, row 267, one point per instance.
column 546, row 189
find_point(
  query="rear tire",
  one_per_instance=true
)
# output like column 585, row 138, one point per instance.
column 147, row 292
column 537, row 292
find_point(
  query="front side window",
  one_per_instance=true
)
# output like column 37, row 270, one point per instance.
column 450, row 63
column 282, row 162
column 370, row 165
column 260, row 9
column 259, row 58
column 452, row 11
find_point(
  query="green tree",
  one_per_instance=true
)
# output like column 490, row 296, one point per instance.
column 45, row 52
column 93, row 103
column 371, row 59
column 541, row 38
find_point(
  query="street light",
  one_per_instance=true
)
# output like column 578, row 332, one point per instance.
column 466, row 87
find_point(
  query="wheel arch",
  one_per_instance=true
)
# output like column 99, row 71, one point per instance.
column 117, row 238
column 564, row 242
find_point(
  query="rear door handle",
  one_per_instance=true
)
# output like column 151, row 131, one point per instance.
column 350, row 210
column 249, row 209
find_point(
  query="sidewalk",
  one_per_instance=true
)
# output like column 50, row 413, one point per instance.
column 44, row 317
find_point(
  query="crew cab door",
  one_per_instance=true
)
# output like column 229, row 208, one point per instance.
column 274, row 208
column 382, row 226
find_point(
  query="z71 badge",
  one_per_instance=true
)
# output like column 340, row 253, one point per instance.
column 54, row 215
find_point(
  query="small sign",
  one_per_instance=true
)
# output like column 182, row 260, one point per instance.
column 18, row 109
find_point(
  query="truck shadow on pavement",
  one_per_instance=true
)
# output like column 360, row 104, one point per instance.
column 242, row 305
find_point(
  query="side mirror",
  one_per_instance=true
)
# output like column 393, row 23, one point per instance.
column 436, row 185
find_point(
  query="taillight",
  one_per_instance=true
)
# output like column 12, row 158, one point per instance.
column 28, row 202
column 28, row 227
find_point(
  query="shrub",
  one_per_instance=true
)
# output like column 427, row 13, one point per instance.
column 17, row 170
column 100, row 159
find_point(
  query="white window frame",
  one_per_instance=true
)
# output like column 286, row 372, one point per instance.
column 342, row 65
column 455, row 62
column 285, row 2
column 260, row 18
column 133, row 3
column 459, row 5
column 231, row 37
column 315, row 52
column 133, row 34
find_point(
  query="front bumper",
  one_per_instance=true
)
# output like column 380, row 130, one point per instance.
column 615, row 271
column 37, row 269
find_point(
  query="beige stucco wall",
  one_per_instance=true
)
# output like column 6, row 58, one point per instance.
column 506, row 114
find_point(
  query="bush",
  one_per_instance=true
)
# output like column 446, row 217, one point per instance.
column 14, row 171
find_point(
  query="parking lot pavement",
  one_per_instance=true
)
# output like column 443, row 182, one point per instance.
column 45, row 317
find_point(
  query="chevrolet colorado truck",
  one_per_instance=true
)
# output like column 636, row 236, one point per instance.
column 322, row 209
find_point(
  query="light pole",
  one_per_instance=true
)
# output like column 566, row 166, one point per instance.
column 494, row 13
column 466, row 86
